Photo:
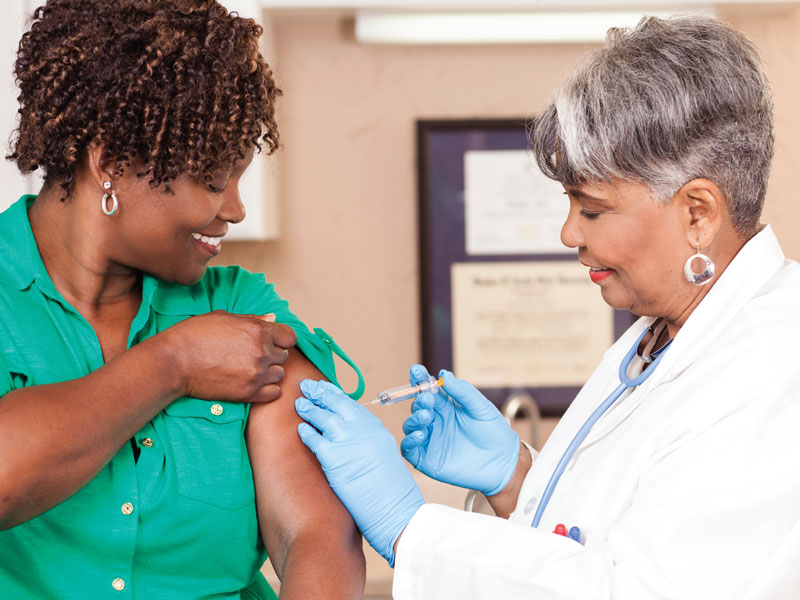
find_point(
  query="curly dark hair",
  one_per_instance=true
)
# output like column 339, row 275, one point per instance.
column 178, row 85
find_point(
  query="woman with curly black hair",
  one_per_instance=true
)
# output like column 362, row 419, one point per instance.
column 147, row 425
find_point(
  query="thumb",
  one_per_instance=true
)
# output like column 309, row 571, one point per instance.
column 474, row 403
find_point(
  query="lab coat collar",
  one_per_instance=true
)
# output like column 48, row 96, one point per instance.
column 757, row 261
column 754, row 265
column 750, row 269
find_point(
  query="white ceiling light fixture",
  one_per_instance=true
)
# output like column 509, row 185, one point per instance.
column 496, row 27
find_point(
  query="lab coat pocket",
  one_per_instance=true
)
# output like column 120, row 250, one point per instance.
column 208, row 452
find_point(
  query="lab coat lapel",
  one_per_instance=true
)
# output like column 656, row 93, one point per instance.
column 734, row 288
column 756, row 263
column 619, row 412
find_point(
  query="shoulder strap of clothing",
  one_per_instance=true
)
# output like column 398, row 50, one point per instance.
column 359, row 391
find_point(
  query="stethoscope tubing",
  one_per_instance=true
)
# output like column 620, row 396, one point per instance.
column 625, row 383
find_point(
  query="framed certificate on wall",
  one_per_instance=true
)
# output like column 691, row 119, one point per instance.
column 505, row 305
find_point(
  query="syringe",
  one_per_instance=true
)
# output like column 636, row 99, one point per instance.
column 405, row 392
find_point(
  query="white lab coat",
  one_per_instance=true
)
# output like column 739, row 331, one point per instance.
column 687, row 488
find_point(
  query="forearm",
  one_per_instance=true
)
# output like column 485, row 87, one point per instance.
column 504, row 502
column 55, row 438
column 327, row 566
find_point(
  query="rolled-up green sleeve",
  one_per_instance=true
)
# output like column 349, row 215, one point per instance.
column 6, row 385
column 250, row 293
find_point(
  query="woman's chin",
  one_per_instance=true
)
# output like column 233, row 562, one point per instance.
column 189, row 279
column 616, row 300
column 185, row 277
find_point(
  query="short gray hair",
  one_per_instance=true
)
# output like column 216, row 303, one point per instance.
column 664, row 103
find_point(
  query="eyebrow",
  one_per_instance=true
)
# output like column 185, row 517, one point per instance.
column 578, row 193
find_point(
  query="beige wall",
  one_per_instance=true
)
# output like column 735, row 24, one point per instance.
column 347, row 255
column 778, row 37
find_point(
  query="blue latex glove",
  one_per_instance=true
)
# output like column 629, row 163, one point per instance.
column 360, row 459
column 459, row 437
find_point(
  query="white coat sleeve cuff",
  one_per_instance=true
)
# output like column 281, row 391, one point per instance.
column 523, row 511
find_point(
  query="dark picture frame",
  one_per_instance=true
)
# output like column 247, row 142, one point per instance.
column 441, row 145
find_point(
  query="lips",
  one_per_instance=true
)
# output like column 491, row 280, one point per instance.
column 599, row 274
column 210, row 243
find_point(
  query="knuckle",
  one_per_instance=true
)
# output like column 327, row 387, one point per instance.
column 274, row 374
column 276, row 356
column 287, row 336
column 255, row 327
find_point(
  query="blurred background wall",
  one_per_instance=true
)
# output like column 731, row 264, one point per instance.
column 346, row 250
column 347, row 253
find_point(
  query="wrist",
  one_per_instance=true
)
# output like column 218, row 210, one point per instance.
column 172, row 363
column 503, row 466
column 504, row 501
column 396, row 543
column 392, row 528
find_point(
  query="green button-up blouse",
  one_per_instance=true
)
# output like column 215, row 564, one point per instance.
column 179, row 522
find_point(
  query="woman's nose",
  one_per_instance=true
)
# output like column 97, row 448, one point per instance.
column 571, row 235
column 233, row 210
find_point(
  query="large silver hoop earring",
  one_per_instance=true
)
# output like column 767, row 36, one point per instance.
column 104, row 201
column 698, row 278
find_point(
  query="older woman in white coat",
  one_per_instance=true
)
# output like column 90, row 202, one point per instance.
column 681, row 481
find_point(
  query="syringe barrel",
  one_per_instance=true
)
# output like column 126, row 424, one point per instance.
column 408, row 391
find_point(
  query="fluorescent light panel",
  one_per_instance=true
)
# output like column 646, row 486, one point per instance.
column 494, row 28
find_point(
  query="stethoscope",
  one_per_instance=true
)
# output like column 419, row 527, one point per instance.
column 625, row 383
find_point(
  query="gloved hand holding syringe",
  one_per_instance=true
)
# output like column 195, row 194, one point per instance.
column 405, row 392
column 458, row 437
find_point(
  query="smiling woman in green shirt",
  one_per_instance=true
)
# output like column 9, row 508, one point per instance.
column 147, row 424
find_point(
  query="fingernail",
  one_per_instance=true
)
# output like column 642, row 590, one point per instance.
column 302, row 404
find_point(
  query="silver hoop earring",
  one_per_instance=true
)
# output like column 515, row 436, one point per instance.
column 104, row 201
column 698, row 278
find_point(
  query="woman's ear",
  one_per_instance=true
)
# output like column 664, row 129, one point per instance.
column 704, row 207
column 97, row 161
